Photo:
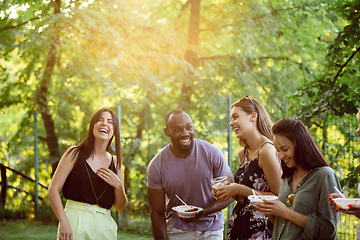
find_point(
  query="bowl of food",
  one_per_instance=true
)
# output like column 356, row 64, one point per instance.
column 185, row 212
column 259, row 198
column 345, row 203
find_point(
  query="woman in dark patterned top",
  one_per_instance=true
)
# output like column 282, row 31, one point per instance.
column 259, row 171
column 91, row 180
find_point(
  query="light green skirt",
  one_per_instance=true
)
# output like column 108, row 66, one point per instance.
column 90, row 222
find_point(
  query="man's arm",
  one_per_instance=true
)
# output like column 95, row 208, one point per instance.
column 156, row 199
column 219, row 205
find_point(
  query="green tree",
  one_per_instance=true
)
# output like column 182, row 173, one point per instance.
column 69, row 58
column 335, row 93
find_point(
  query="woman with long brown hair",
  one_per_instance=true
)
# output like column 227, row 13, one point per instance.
column 91, row 180
column 259, row 169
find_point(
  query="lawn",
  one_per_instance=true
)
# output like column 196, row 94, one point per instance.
column 34, row 230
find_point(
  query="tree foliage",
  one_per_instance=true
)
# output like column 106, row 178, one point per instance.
column 66, row 59
column 338, row 87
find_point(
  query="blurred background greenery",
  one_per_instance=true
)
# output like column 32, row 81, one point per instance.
column 68, row 58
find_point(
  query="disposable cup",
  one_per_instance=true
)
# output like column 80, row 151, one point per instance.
column 219, row 181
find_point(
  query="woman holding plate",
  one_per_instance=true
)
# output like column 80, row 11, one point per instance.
column 353, row 210
column 259, row 171
column 301, row 211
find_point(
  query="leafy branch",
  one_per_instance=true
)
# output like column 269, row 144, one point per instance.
column 351, row 178
column 343, row 66
column 18, row 25
column 274, row 12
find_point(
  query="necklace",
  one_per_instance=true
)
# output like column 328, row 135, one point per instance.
column 295, row 182
column 298, row 177
column 92, row 187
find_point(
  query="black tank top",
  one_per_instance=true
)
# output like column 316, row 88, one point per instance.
column 77, row 186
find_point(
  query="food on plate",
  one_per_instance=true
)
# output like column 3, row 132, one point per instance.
column 184, row 212
column 191, row 210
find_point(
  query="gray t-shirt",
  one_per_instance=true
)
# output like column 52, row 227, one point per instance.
column 190, row 179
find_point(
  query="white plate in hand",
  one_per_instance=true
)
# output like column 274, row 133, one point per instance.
column 258, row 198
column 344, row 203
column 184, row 212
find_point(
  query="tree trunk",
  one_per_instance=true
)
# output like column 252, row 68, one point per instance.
column 194, row 23
column 190, row 55
column 51, row 138
column 3, row 186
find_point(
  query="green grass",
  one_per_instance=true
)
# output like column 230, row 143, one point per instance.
column 35, row 230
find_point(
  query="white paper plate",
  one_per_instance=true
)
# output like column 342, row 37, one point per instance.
column 258, row 198
column 182, row 211
column 345, row 202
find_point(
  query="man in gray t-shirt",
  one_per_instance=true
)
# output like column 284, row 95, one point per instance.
column 185, row 167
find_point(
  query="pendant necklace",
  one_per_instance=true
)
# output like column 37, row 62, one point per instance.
column 92, row 187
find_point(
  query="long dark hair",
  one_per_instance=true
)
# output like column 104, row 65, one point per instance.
column 306, row 154
column 86, row 148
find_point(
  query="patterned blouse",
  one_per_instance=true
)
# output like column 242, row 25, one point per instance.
column 245, row 222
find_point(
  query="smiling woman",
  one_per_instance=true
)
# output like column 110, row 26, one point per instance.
column 302, row 211
column 92, row 182
column 258, row 172
column 104, row 127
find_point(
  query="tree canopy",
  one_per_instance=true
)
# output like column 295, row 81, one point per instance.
column 68, row 58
